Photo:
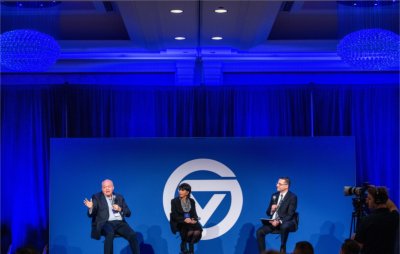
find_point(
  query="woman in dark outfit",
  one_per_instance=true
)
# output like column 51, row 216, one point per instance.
column 184, row 219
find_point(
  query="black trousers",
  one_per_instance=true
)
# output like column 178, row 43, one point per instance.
column 284, row 230
column 111, row 228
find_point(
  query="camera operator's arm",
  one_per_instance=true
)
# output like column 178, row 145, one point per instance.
column 391, row 206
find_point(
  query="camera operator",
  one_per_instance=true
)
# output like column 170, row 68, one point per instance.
column 378, row 232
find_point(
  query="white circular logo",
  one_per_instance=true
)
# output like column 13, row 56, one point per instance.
column 213, row 185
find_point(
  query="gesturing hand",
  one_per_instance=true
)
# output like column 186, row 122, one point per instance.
column 88, row 204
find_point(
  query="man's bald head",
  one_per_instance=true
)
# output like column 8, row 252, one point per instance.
column 107, row 187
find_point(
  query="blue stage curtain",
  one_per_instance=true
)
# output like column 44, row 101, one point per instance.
column 31, row 115
column 371, row 114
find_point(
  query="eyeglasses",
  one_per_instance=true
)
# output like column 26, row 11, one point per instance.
column 280, row 184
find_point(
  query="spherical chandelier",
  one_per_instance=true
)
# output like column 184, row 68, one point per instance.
column 28, row 50
column 370, row 49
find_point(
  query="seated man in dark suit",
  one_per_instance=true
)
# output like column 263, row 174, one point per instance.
column 108, row 211
column 282, row 207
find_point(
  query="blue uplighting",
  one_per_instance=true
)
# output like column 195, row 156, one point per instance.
column 367, row 4
column 31, row 5
column 28, row 50
column 370, row 49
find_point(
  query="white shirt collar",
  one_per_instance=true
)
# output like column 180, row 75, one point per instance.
column 283, row 194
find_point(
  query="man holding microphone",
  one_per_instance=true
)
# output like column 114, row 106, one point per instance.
column 282, row 207
column 108, row 211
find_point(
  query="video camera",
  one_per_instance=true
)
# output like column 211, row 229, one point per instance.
column 359, row 201
column 356, row 191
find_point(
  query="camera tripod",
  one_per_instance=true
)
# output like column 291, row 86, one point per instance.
column 358, row 212
column 355, row 218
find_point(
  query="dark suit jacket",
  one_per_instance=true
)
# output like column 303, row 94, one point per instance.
column 177, row 214
column 287, row 208
column 100, row 212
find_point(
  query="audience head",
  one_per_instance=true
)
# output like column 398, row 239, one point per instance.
column 303, row 247
column 27, row 250
column 271, row 252
column 350, row 247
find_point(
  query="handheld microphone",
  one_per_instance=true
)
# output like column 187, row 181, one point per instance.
column 114, row 201
column 274, row 201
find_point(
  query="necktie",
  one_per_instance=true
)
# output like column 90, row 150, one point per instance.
column 280, row 201
column 275, row 215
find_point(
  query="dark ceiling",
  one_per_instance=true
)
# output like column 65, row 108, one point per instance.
column 121, row 27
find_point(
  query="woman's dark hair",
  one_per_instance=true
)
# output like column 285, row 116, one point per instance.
column 186, row 187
